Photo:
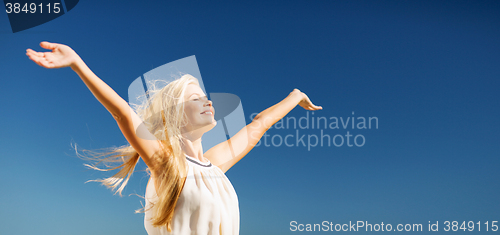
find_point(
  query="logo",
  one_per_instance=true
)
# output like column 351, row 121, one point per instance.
column 228, row 108
column 28, row 14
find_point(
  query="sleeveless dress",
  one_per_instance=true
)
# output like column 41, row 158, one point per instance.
column 208, row 203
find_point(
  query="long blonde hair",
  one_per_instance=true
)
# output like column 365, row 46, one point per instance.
column 163, row 115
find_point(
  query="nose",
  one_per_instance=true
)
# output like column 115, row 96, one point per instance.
column 209, row 102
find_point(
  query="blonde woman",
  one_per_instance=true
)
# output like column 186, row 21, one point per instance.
column 188, row 192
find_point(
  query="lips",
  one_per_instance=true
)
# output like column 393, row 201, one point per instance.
column 208, row 111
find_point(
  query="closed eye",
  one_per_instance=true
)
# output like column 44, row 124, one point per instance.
column 198, row 98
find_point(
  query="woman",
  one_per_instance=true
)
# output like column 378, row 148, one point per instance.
column 188, row 192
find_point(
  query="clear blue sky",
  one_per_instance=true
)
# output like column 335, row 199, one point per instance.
column 428, row 70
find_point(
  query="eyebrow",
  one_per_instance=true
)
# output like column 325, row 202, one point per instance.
column 194, row 94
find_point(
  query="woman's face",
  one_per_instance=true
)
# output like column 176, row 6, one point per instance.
column 198, row 109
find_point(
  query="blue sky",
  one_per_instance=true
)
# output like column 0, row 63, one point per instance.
column 428, row 70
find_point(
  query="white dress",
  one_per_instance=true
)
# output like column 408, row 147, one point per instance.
column 207, row 204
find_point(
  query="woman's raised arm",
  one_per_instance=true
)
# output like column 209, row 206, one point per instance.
column 228, row 153
column 128, row 121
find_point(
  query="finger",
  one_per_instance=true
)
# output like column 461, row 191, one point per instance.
column 32, row 56
column 314, row 107
column 29, row 51
column 40, row 61
column 46, row 64
column 48, row 45
column 34, row 53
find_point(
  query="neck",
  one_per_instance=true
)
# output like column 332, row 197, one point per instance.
column 192, row 146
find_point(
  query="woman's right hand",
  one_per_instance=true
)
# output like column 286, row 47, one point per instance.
column 60, row 56
column 305, row 102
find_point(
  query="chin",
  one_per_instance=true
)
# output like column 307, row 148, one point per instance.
column 207, row 127
column 211, row 125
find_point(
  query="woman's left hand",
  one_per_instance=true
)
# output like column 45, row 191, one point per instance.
column 60, row 56
column 306, row 102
